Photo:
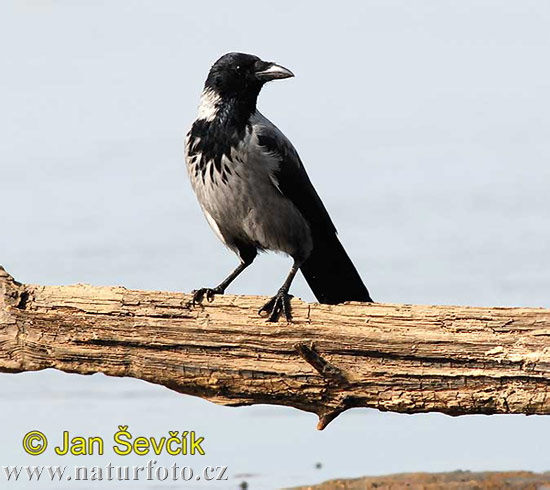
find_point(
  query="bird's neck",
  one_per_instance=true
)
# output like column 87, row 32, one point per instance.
column 227, row 110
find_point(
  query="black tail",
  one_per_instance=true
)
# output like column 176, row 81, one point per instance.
column 331, row 274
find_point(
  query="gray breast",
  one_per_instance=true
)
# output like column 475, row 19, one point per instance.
column 242, row 201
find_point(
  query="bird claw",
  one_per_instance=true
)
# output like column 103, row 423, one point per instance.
column 200, row 294
column 280, row 303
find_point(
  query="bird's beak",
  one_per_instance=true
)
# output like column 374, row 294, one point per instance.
column 270, row 71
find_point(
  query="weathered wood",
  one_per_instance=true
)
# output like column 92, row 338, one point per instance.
column 403, row 358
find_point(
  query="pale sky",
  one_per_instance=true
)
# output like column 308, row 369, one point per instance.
column 423, row 124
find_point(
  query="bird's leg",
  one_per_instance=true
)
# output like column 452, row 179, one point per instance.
column 199, row 294
column 280, row 303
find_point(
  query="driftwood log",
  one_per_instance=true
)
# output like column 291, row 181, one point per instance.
column 403, row 358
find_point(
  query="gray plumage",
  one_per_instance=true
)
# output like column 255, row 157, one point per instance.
column 255, row 192
column 249, row 206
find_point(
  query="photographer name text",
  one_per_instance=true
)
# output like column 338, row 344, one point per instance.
column 176, row 443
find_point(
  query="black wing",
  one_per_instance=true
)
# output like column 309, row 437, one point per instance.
column 293, row 181
column 328, row 270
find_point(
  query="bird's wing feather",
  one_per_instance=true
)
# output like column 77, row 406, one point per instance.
column 291, row 178
column 328, row 270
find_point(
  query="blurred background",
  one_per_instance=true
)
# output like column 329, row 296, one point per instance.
column 423, row 125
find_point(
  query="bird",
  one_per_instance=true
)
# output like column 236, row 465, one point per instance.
column 254, row 190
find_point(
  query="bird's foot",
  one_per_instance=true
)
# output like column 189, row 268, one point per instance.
column 280, row 303
column 208, row 293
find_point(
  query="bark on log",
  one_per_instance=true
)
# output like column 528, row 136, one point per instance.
column 403, row 358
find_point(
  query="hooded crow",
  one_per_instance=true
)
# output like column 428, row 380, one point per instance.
column 255, row 192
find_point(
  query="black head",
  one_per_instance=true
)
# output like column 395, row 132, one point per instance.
column 239, row 75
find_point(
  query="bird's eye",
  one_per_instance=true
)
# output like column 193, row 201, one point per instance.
column 238, row 69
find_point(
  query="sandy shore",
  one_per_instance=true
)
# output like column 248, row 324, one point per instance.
column 463, row 480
